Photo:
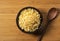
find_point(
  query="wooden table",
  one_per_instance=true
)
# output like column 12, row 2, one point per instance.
column 8, row 12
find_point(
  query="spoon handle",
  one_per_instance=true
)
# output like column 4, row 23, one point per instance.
column 40, row 39
column 43, row 32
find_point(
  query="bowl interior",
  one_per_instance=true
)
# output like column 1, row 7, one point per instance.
column 17, row 19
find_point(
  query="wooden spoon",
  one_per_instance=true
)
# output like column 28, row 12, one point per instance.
column 52, row 14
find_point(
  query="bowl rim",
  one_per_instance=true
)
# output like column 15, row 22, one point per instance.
column 17, row 19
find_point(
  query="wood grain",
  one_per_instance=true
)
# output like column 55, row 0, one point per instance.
column 8, row 12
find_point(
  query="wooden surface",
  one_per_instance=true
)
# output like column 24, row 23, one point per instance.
column 8, row 13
